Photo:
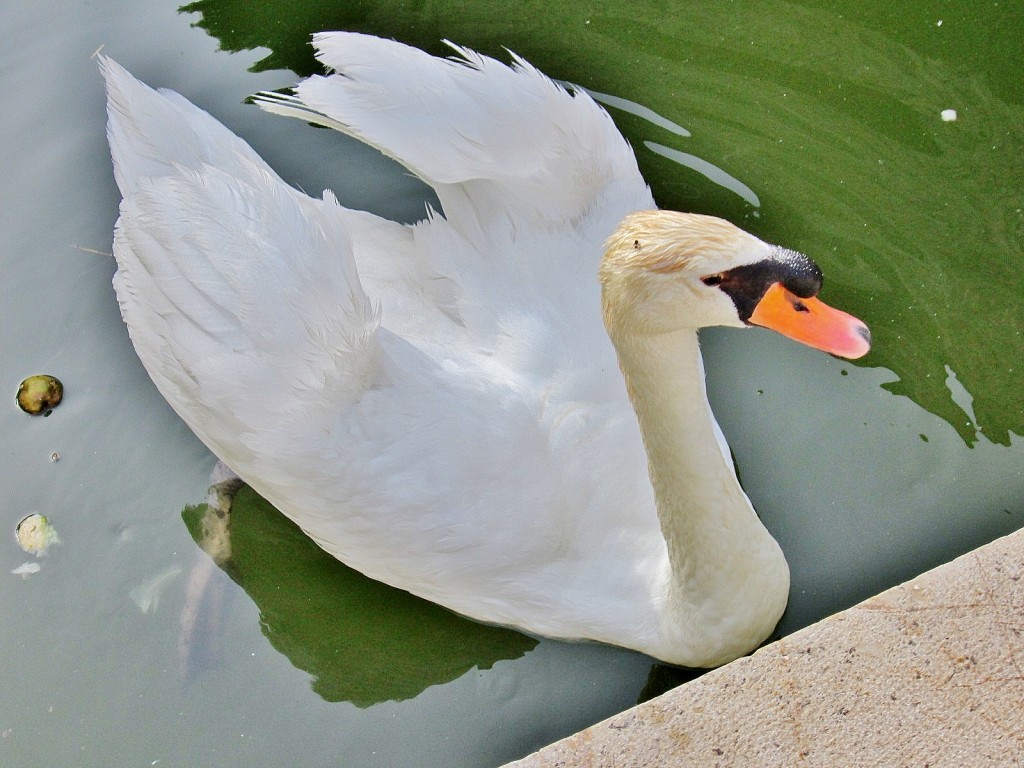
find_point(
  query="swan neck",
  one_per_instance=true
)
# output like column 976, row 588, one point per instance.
column 695, row 486
column 728, row 580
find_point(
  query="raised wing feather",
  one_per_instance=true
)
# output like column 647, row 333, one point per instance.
column 506, row 138
column 531, row 180
column 230, row 281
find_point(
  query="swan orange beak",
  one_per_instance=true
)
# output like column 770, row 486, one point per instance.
column 812, row 322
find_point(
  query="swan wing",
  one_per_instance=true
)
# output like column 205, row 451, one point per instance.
column 509, row 137
column 531, row 179
column 496, row 461
column 240, row 293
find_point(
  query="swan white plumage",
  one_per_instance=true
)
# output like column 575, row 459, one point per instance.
column 439, row 405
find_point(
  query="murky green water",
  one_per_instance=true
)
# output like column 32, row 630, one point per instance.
column 821, row 126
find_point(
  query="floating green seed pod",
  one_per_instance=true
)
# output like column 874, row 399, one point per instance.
column 40, row 394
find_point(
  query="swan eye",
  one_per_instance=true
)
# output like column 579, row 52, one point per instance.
column 711, row 280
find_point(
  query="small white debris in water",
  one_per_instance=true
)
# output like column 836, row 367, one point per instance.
column 948, row 115
column 35, row 534
column 27, row 569
column 54, row 456
column 147, row 594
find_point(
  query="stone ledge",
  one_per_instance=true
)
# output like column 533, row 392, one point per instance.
column 929, row 673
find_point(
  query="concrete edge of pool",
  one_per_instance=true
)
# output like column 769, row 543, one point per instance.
column 930, row 672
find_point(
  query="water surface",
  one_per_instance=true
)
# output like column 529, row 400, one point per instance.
column 828, row 119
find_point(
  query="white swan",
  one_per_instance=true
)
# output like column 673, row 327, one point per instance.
column 439, row 405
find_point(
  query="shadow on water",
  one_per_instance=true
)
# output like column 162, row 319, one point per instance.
column 362, row 641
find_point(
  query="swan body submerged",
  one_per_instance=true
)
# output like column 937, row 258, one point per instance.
column 500, row 408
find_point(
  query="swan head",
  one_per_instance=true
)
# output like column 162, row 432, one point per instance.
column 664, row 271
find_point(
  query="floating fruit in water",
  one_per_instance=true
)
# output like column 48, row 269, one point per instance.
column 40, row 394
column 36, row 534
